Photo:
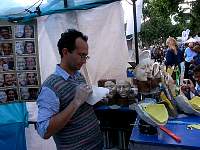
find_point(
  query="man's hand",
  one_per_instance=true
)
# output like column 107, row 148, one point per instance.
column 82, row 93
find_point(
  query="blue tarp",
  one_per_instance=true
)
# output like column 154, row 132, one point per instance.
column 22, row 14
column 13, row 120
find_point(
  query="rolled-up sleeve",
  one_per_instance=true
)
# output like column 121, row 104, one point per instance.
column 48, row 105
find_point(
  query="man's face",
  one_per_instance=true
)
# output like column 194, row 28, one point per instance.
column 5, row 33
column 7, row 48
column 9, row 79
column 11, row 95
column 78, row 57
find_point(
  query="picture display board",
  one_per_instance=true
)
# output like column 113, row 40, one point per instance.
column 19, row 63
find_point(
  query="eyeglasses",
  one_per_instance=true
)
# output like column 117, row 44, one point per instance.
column 84, row 56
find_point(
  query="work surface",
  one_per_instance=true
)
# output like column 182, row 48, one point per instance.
column 190, row 138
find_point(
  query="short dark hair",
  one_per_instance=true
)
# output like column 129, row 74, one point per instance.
column 196, row 69
column 68, row 40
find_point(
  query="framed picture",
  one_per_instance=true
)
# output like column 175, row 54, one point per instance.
column 5, row 32
column 3, row 96
column 24, row 31
column 27, row 79
column 21, row 63
column 25, row 47
column 19, row 47
column 22, row 79
column 29, row 47
column 26, row 63
column 11, row 94
column 29, row 94
column 30, row 63
column 7, row 64
column 19, row 69
column 6, row 49
column 9, row 80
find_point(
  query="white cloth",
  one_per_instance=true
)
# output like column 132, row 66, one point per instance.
column 128, row 15
column 104, row 27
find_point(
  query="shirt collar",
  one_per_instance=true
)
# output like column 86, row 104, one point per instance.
column 61, row 72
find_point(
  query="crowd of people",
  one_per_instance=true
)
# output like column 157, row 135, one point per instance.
column 185, row 56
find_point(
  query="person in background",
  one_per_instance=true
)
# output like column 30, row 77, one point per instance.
column 194, row 88
column 174, row 56
column 197, row 57
column 62, row 109
column 189, row 55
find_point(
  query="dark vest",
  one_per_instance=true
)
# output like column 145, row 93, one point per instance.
column 82, row 132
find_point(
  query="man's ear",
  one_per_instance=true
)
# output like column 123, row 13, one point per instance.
column 65, row 51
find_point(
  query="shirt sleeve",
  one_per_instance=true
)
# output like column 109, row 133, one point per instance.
column 48, row 105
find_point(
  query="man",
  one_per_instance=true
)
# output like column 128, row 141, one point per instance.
column 189, row 55
column 9, row 80
column 63, row 112
column 190, row 89
column 5, row 32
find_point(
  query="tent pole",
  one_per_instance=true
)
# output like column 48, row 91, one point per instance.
column 65, row 3
column 135, row 32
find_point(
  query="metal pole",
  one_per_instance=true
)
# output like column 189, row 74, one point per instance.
column 135, row 32
column 65, row 3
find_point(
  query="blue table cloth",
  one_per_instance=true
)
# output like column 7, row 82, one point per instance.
column 189, row 138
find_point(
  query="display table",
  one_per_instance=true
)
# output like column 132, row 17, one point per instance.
column 189, row 137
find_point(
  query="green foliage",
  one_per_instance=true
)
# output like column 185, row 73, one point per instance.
column 195, row 18
column 157, row 21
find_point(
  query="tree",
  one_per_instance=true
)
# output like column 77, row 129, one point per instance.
column 195, row 18
column 157, row 20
